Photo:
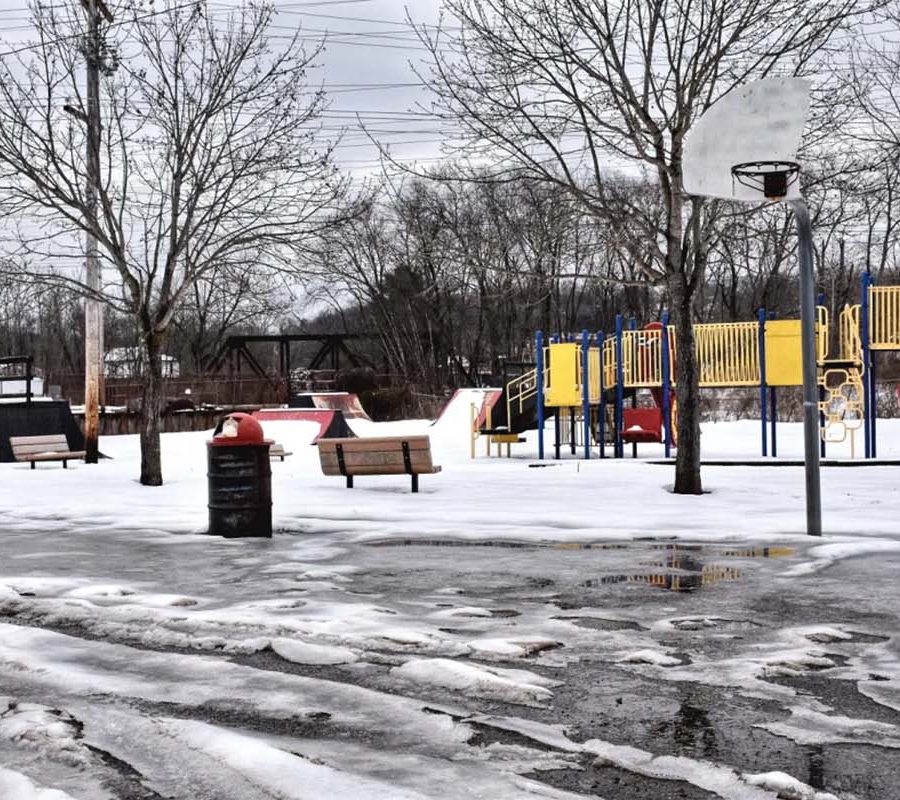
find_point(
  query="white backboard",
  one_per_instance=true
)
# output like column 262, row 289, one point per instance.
column 762, row 121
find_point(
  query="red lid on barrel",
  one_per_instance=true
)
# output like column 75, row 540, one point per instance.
column 238, row 428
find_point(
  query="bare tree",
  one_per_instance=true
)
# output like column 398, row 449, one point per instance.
column 210, row 151
column 571, row 90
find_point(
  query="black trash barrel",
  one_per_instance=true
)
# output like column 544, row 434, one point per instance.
column 240, row 479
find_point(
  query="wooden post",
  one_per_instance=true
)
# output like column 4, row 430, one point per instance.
column 93, row 307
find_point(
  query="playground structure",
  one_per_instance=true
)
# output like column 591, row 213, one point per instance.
column 583, row 378
column 24, row 414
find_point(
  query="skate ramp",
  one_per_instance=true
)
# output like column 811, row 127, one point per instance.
column 39, row 418
column 332, row 423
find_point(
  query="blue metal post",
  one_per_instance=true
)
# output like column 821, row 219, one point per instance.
column 822, row 447
column 873, row 391
column 557, row 427
column 620, row 389
column 539, row 386
column 666, row 385
column 866, row 359
column 761, row 316
column 773, row 410
column 586, row 391
column 601, row 423
column 773, row 420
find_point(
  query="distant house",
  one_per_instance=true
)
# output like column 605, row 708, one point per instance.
column 127, row 362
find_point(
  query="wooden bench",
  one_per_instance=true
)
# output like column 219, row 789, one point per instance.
column 53, row 447
column 384, row 455
column 278, row 451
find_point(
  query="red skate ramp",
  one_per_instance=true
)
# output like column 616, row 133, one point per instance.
column 345, row 402
column 464, row 399
column 332, row 423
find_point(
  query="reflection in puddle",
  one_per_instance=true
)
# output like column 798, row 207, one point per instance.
column 683, row 550
column 686, row 570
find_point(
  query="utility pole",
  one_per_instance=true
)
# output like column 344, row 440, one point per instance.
column 93, row 307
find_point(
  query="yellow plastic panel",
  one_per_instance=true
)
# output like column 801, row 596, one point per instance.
column 594, row 354
column 563, row 389
column 784, row 357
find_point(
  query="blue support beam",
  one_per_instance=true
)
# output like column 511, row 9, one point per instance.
column 586, row 391
column 601, row 423
column 867, row 363
column 539, row 389
column 620, row 390
column 822, row 448
column 557, row 428
column 666, row 385
column 761, row 316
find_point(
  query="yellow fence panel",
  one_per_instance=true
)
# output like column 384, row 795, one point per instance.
column 884, row 317
column 642, row 358
column 609, row 362
column 728, row 354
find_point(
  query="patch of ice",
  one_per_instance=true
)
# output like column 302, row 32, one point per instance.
column 312, row 654
column 16, row 786
column 49, row 730
column 285, row 775
column 462, row 611
column 787, row 787
column 655, row 657
column 826, row 635
column 508, row 685
column 502, row 649
column 720, row 780
column 808, row 727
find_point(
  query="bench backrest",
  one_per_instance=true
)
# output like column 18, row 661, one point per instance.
column 33, row 445
column 377, row 455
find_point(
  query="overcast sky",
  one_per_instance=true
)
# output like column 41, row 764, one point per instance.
column 367, row 71
column 365, row 68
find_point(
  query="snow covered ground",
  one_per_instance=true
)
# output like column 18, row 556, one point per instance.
column 565, row 630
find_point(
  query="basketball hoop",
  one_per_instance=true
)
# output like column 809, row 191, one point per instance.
column 772, row 178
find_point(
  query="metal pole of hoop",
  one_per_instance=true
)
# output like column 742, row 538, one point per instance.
column 810, row 368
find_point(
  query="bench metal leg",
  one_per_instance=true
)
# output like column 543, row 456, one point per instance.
column 634, row 449
column 65, row 464
column 349, row 481
column 415, row 483
column 32, row 464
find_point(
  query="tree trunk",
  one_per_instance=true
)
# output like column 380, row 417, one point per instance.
column 687, row 390
column 151, row 410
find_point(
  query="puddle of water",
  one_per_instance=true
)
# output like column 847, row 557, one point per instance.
column 682, row 551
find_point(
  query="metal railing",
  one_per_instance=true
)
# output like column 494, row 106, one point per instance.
column 884, row 317
column 519, row 390
column 728, row 354
column 850, row 342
